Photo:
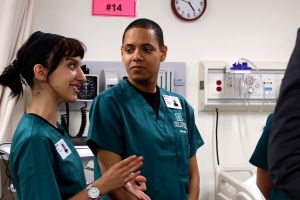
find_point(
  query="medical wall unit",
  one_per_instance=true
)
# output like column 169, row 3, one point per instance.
column 239, row 86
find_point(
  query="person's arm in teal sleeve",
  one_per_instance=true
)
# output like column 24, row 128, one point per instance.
column 195, row 139
column 259, row 159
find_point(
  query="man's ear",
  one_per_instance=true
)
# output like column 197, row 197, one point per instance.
column 164, row 51
column 122, row 51
column 40, row 72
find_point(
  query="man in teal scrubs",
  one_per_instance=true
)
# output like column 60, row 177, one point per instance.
column 259, row 159
column 138, row 117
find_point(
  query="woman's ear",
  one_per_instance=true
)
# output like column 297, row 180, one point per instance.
column 40, row 72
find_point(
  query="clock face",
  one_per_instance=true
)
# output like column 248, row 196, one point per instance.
column 188, row 10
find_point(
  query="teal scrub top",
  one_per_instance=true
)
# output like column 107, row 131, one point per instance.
column 259, row 158
column 121, row 121
column 44, row 163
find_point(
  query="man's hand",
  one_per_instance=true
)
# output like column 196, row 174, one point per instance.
column 137, row 186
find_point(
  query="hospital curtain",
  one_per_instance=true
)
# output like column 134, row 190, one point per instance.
column 15, row 25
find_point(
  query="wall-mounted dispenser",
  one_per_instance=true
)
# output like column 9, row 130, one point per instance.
column 230, row 89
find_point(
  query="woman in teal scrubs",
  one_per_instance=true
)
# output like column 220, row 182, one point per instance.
column 259, row 159
column 138, row 117
column 44, row 163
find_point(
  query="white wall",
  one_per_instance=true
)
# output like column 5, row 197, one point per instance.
column 258, row 30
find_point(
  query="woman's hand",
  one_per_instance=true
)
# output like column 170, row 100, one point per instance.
column 137, row 186
column 119, row 174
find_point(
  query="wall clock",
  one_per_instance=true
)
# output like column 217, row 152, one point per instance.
column 188, row 10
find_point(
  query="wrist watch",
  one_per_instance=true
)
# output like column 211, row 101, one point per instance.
column 93, row 192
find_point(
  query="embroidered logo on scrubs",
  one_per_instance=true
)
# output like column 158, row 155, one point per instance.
column 63, row 149
column 172, row 102
column 178, row 117
column 179, row 122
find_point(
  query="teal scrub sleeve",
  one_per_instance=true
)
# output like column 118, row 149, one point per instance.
column 35, row 171
column 105, row 125
column 278, row 195
column 259, row 156
column 195, row 139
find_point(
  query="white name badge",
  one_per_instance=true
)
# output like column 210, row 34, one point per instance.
column 63, row 149
column 172, row 102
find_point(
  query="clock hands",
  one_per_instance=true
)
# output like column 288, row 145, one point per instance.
column 188, row 10
column 189, row 4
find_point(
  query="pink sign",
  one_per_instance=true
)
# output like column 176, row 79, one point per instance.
column 114, row 7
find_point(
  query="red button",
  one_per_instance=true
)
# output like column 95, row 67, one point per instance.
column 219, row 82
column 219, row 89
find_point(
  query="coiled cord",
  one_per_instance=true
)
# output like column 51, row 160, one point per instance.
column 64, row 118
column 83, row 120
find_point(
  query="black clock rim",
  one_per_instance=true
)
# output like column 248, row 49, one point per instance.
column 185, row 19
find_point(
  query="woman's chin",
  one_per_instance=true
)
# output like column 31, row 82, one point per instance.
column 72, row 100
